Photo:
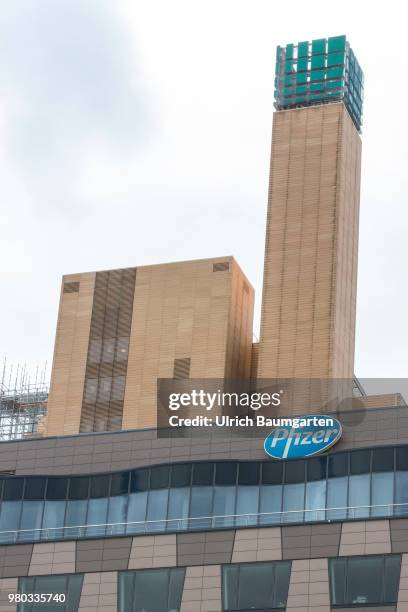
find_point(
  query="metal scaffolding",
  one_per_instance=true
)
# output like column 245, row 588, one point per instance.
column 23, row 402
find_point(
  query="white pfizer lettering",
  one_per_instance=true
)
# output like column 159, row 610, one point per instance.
column 319, row 437
column 278, row 436
column 329, row 434
column 306, row 437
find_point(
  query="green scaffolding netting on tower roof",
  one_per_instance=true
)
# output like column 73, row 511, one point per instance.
column 322, row 70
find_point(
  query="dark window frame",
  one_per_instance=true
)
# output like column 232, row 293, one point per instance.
column 347, row 560
column 273, row 563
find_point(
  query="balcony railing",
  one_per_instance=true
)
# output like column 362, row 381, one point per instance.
column 261, row 519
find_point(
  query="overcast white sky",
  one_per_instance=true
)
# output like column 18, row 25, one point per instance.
column 138, row 132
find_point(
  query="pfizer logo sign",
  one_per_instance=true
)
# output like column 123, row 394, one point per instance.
column 314, row 434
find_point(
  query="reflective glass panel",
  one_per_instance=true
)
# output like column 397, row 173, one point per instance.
column 293, row 499
column 179, row 500
column 224, row 506
column 157, row 590
column 31, row 519
column 359, row 496
column 157, row 510
column 70, row 585
column 97, row 511
column 136, row 514
column 9, row 519
column 255, row 586
column 270, row 504
column 315, row 500
column 337, row 498
column 54, row 515
column 382, row 493
column 117, row 514
column 75, row 518
column 201, row 507
column 247, row 505
column 401, row 494
column 365, row 580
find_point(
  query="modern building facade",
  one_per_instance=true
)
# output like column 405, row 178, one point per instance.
column 119, row 331
column 104, row 514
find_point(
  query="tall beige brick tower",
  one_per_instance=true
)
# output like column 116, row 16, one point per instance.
column 310, row 273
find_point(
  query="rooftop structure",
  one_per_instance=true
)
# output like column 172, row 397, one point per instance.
column 323, row 70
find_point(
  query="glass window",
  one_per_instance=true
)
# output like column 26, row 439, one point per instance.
column 382, row 493
column 34, row 487
column 91, row 389
column 181, row 475
column 249, row 473
column 270, row 504
column 224, row 506
column 31, row 519
column 360, row 462
column 315, row 500
column 70, row 585
column 364, row 580
column 118, row 388
column 203, row 473
column 272, row 472
column 179, row 500
column 337, row 498
column 13, row 488
column 157, row 510
column 9, row 519
column 337, row 576
column 158, row 590
column 201, row 507
column 383, row 459
column 136, row 512
column 104, row 389
column 96, row 519
column 159, row 477
column 120, row 483
column 108, row 351
column 139, row 480
column 75, row 518
column 338, row 465
column 56, row 488
column 117, row 514
column 293, row 500
column 53, row 518
column 95, row 350
column 392, row 577
column 294, row 471
column 255, row 586
column 316, row 468
column 401, row 493
column 78, row 487
column 122, row 349
column 100, row 486
column 402, row 457
column 247, row 505
column 359, row 496
column 225, row 473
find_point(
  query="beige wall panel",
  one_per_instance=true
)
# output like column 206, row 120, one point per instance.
column 186, row 310
column 70, row 355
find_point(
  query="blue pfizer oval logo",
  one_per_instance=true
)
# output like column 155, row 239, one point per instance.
column 305, row 436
